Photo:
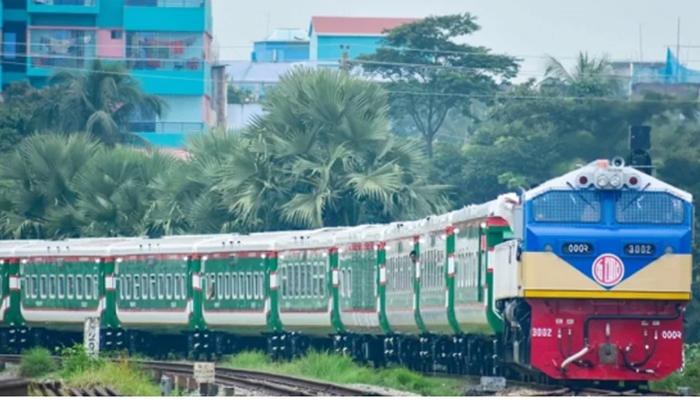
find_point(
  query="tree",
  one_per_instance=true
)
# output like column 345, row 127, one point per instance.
column 237, row 95
column 38, row 197
column 322, row 156
column 116, row 190
column 430, row 74
column 101, row 102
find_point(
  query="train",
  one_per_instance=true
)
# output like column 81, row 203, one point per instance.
column 584, row 278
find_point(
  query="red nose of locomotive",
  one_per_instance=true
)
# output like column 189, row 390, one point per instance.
column 606, row 339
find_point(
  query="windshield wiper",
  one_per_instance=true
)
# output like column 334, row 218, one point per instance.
column 635, row 198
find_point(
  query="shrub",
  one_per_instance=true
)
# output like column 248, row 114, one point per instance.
column 36, row 362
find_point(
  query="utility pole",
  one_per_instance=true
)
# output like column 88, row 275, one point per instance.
column 345, row 58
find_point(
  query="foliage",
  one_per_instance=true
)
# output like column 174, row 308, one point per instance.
column 322, row 156
column 37, row 362
column 430, row 74
column 238, row 95
column 690, row 377
column 101, row 102
column 341, row 370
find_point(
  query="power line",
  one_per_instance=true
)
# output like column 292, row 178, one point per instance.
column 501, row 96
column 521, row 73
column 482, row 52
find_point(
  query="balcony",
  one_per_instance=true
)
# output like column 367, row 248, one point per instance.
column 167, row 15
column 53, row 49
column 168, row 62
column 64, row 6
column 165, row 3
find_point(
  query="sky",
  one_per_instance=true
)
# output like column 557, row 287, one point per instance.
column 528, row 29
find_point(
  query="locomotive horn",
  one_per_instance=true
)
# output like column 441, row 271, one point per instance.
column 618, row 162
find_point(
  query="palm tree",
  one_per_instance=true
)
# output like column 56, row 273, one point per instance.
column 100, row 101
column 116, row 190
column 185, row 199
column 323, row 156
column 589, row 77
column 37, row 180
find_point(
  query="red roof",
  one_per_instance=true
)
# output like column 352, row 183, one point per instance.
column 356, row 25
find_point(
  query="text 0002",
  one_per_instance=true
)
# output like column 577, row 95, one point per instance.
column 577, row 248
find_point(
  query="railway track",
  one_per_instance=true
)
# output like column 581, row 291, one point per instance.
column 269, row 384
column 25, row 387
column 262, row 383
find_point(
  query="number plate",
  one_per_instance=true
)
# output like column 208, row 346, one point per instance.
column 577, row 248
column 640, row 249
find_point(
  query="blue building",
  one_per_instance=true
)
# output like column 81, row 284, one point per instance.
column 166, row 45
column 357, row 35
column 284, row 45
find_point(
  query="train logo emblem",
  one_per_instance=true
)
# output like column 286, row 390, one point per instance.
column 608, row 270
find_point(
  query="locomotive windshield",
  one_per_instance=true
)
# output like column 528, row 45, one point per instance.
column 648, row 208
column 567, row 206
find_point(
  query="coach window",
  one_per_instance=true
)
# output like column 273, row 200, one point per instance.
column 52, row 286
column 178, row 291
column 183, row 285
column 249, row 286
column 227, row 286
column 96, row 286
column 88, row 287
column 161, row 284
column 61, row 286
column 234, row 286
column 42, row 287
column 127, row 287
column 144, row 287
column 220, row 286
column 153, row 290
column 137, row 287
column 289, row 274
column 70, row 286
column 168, row 286
column 241, row 285
column 79, row 287
column 310, row 278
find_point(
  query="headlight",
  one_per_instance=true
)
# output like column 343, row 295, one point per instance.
column 601, row 181
column 616, row 181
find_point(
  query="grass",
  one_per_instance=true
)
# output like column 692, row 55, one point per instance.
column 342, row 370
column 122, row 377
column 79, row 370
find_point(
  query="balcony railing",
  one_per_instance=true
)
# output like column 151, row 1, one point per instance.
column 166, row 3
column 167, row 127
column 61, row 48
column 81, row 3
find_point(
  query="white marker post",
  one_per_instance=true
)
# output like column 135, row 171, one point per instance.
column 204, row 374
column 92, row 336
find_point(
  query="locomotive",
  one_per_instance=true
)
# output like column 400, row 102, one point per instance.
column 583, row 278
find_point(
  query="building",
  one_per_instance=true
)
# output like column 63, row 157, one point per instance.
column 668, row 77
column 357, row 35
column 166, row 45
column 284, row 45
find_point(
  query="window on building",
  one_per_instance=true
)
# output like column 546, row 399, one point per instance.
column 116, row 35
column 9, row 48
